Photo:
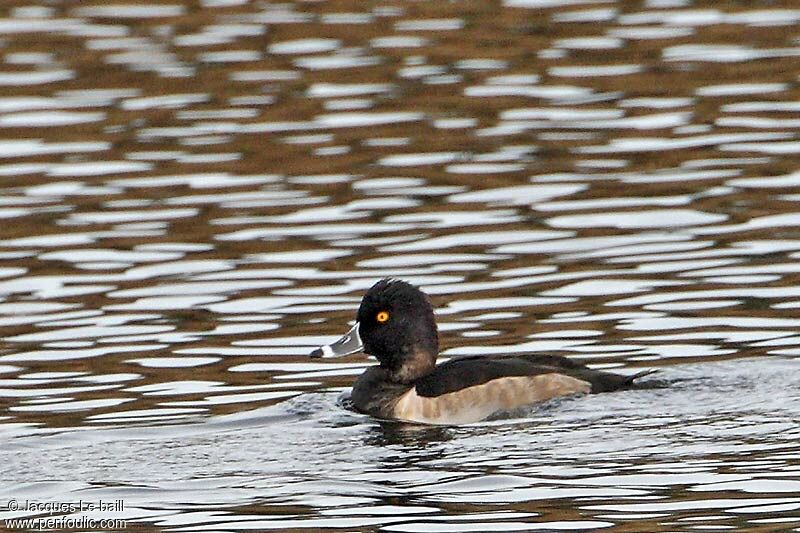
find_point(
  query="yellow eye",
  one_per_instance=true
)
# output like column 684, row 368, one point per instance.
column 382, row 317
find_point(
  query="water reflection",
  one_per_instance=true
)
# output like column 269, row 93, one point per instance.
column 196, row 194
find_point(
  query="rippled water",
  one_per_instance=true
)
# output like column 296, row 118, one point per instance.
column 194, row 194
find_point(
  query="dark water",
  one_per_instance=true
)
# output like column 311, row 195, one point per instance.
column 194, row 194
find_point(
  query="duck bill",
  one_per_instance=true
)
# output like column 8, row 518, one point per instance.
column 349, row 343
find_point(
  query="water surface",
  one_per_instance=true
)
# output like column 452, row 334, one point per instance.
column 196, row 194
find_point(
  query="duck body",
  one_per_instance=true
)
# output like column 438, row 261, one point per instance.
column 395, row 324
column 470, row 389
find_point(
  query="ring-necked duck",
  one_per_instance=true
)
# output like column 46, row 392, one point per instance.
column 395, row 323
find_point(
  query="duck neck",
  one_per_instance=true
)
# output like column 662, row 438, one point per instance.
column 413, row 365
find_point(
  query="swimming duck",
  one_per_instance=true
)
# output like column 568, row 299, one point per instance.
column 396, row 325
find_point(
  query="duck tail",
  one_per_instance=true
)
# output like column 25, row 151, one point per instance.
column 632, row 378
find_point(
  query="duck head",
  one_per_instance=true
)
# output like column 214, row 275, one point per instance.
column 396, row 325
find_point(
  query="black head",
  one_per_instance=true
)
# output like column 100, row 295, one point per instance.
column 395, row 324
